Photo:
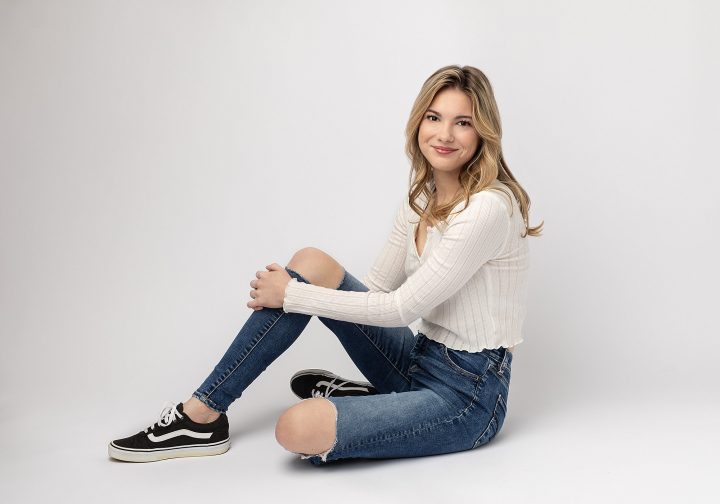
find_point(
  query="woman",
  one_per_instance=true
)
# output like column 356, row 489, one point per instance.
column 457, row 258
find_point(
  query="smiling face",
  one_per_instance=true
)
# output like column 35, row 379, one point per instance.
column 446, row 137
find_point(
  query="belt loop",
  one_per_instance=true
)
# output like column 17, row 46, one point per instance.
column 504, row 360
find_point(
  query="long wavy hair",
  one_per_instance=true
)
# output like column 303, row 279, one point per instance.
column 487, row 163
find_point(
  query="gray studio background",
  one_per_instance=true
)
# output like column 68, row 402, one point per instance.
column 155, row 154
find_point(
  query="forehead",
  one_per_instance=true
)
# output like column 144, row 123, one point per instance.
column 452, row 100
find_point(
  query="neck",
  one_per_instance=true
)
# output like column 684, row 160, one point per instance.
column 446, row 187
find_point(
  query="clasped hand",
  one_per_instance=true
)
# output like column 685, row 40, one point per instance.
column 269, row 287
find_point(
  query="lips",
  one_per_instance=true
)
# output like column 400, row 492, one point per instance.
column 443, row 150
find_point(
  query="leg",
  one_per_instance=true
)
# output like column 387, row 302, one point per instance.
column 457, row 401
column 292, row 430
column 382, row 354
column 180, row 432
column 266, row 334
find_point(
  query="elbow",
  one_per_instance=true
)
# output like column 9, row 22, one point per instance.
column 406, row 317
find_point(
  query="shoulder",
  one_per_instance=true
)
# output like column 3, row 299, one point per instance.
column 495, row 200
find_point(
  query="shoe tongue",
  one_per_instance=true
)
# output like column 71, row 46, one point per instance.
column 180, row 407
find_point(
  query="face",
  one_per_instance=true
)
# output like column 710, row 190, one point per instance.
column 447, row 137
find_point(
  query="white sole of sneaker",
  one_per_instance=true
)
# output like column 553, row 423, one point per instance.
column 154, row 455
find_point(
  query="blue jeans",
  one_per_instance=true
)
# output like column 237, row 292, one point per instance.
column 431, row 399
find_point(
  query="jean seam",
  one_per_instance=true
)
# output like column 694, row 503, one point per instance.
column 493, row 417
column 502, row 377
column 407, row 379
column 234, row 368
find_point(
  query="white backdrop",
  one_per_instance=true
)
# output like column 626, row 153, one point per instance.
column 155, row 154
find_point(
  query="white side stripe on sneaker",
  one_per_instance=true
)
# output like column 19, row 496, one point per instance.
column 182, row 432
column 332, row 387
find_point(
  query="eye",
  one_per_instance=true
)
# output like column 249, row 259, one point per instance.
column 467, row 123
column 430, row 116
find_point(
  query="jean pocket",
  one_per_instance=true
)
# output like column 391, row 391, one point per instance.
column 496, row 422
column 469, row 364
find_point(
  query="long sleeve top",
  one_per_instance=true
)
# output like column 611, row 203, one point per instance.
column 468, row 287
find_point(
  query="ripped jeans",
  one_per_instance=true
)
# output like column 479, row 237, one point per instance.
column 431, row 399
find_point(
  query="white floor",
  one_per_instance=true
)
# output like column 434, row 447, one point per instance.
column 552, row 449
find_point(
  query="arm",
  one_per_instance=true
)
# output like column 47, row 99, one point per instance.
column 388, row 271
column 472, row 237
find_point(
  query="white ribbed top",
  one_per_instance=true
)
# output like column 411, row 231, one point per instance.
column 469, row 286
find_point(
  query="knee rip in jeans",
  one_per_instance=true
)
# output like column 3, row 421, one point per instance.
column 342, row 279
column 324, row 455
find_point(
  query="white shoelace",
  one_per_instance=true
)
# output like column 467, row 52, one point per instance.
column 331, row 387
column 167, row 416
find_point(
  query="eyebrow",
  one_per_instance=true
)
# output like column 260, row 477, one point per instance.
column 456, row 117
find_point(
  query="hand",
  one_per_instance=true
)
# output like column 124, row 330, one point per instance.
column 269, row 287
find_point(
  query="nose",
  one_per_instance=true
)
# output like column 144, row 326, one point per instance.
column 445, row 132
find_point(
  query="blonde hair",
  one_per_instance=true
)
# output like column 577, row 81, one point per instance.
column 485, row 166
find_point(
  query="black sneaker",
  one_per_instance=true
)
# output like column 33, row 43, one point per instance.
column 173, row 435
column 320, row 383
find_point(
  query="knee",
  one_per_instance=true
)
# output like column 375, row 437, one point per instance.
column 318, row 267
column 307, row 255
column 307, row 427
